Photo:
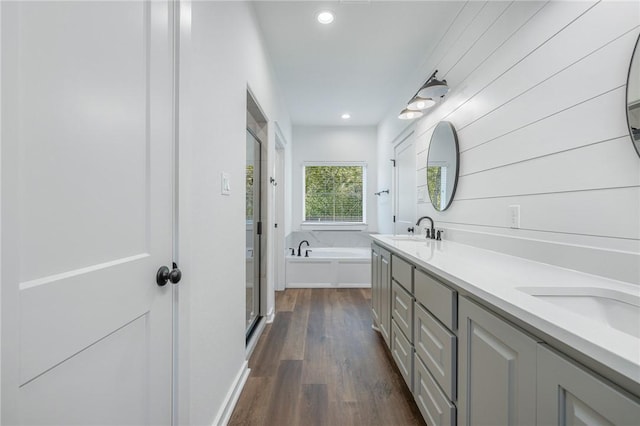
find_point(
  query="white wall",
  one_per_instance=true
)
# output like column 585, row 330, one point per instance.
column 334, row 143
column 538, row 100
column 222, row 55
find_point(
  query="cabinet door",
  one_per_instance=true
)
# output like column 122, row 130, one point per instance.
column 385, row 297
column 375, row 286
column 497, row 370
column 568, row 394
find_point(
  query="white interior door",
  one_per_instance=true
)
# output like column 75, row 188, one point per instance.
column 405, row 185
column 86, row 212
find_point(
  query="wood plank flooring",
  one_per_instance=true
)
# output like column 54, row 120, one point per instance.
column 321, row 363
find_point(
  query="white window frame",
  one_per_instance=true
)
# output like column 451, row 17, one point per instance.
column 335, row 225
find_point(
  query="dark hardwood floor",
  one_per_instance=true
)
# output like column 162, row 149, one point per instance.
column 321, row 363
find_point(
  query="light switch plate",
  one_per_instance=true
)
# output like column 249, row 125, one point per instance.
column 225, row 182
column 514, row 216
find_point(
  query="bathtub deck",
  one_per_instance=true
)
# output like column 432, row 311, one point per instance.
column 320, row 363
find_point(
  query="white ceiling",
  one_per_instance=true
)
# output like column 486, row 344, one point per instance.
column 357, row 64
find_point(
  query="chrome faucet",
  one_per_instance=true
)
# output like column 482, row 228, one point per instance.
column 300, row 246
column 431, row 233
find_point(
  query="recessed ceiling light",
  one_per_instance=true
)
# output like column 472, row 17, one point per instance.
column 325, row 17
column 346, row 116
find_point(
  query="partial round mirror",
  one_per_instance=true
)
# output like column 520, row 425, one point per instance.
column 442, row 165
column 633, row 98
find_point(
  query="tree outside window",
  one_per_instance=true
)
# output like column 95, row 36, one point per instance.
column 334, row 193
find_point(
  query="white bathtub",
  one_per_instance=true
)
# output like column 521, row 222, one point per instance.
column 330, row 267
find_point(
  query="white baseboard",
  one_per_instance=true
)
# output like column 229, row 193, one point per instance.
column 328, row 285
column 230, row 401
column 270, row 316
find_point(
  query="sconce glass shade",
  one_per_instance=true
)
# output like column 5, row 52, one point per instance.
column 408, row 114
column 433, row 89
column 418, row 103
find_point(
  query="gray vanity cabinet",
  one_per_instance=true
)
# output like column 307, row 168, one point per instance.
column 435, row 406
column 435, row 346
column 466, row 365
column 375, row 284
column 402, row 309
column 402, row 352
column 402, row 273
column 568, row 394
column 439, row 299
column 434, row 339
column 402, row 317
column 497, row 368
column 385, row 295
column 381, row 290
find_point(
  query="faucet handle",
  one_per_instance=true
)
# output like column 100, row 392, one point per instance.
column 293, row 251
column 439, row 234
column 306, row 253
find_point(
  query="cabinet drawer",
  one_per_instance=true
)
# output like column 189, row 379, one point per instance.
column 402, row 352
column 402, row 309
column 432, row 402
column 436, row 347
column 402, row 272
column 439, row 299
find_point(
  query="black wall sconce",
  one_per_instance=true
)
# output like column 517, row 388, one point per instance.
column 426, row 96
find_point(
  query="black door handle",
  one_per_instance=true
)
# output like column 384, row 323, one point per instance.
column 164, row 274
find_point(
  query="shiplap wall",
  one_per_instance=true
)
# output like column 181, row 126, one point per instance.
column 538, row 100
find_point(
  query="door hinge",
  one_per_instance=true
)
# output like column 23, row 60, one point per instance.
column 393, row 160
column 394, row 218
column 259, row 228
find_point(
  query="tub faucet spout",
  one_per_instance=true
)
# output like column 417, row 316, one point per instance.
column 431, row 233
column 300, row 247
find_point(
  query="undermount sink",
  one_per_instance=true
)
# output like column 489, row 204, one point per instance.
column 408, row 238
column 618, row 310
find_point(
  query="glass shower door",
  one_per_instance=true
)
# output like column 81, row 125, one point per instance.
column 252, row 252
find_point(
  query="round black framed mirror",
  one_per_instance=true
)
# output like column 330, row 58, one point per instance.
column 443, row 163
column 633, row 98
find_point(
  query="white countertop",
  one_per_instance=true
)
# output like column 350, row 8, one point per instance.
column 495, row 278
